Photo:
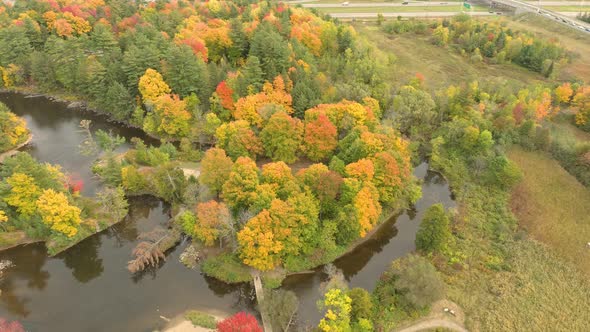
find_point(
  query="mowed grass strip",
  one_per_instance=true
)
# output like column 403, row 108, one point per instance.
column 553, row 207
column 582, row 9
column 410, row 9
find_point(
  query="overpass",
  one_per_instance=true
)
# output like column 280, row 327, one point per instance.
column 521, row 6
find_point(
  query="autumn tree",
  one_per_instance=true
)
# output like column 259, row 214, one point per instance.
column 367, row 208
column 260, row 247
column 324, row 184
column 23, row 193
column 14, row 129
column 581, row 102
column 338, row 306
column 281, row 137
column 152, row 86
column 563, row 93
column 280, row 174
column 215, row 169
column 389, row 176
column 362, row 170
column 56, row 211
column 240, row 322
column 238, row 140
column 240, row 189
column 258, row 108
column 225, row 94
column 213, row 220
column 320, row 138
column 169, row 118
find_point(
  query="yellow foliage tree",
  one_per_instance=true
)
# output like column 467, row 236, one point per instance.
column 259, row 245
column 368, row 209
column 3, row 216
column 23, row 193
column 152, row 85
column 56, row 211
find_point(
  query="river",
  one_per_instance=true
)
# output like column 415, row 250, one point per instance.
column 88, row 288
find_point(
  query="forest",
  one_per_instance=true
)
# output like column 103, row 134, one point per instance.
column 281, row 142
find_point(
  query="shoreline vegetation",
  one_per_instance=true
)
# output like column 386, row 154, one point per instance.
column 14, row 150
column 311, row 145
column 40, row 203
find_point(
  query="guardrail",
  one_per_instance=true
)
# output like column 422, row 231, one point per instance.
column 563, row 19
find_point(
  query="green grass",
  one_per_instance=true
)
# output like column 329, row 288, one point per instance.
column 573, row 40
column 553, row 206
column 201, row 319
column 402, row 9
column 568, row 8
column 409, row 53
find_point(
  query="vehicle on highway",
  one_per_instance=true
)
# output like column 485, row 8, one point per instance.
column 405, row 3
column 345, row 3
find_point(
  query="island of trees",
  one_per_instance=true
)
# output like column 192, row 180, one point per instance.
column 284, row 144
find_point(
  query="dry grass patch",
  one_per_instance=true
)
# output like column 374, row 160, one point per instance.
column 553, row 207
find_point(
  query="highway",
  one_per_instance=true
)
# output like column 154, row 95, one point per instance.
column 566, row 18
column 421, row 4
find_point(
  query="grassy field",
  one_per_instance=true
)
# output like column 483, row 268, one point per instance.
column 401, row 9
column 440, row 66
column 577, row 42
column 540, row 292
column 553, row 207
column 582, row 9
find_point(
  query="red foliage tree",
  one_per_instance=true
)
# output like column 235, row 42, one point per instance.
column 225, row 95
column 240, row 322
column 6, row 326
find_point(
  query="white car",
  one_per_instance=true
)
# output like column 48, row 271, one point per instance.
column 345, row 3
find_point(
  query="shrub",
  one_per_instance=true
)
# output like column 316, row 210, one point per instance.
column 240, row 322
column 434, row 231
column 200, row 319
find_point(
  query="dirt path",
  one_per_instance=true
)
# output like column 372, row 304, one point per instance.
column 439, row 317
column 432, row 324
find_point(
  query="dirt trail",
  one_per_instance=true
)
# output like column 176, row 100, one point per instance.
column 432, row 324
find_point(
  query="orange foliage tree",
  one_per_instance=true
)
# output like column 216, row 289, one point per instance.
column 213, row 220
column 367, row 208
column 563, row 93
column 238, row 139
column 320, row 139
column 250, row 108
column 225, row 94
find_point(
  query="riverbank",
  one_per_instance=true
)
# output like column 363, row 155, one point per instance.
column 73, row 102
column 181, row 323
column 14, row 150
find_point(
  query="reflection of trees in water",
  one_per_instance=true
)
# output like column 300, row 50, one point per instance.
column 151, row 272
column 139, row 208
column 244, row 294
column 434, row 178
column 355, row 261
column 35, row 256
column 83, row 259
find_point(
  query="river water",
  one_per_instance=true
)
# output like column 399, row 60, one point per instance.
column 88, row 288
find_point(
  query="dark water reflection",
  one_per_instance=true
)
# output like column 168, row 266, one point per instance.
column 88, row 288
